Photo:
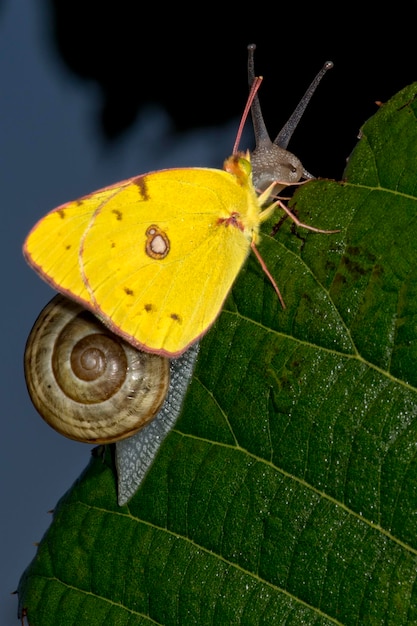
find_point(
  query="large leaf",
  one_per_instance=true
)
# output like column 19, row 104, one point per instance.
column 287, row 492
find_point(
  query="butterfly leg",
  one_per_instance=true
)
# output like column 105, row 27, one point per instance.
column 267, row 272
column 267, row 212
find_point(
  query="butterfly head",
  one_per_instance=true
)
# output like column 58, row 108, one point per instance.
column 240, row 166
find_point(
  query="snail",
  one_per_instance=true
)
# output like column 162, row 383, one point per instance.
column 271, row 161
column 86, row 382
column 92, row 386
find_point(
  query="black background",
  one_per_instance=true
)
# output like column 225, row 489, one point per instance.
column 192, row 59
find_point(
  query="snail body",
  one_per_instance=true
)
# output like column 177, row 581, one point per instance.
column 86, row 382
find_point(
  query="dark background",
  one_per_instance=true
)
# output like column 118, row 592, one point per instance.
column 91, row 95
column 194, row 63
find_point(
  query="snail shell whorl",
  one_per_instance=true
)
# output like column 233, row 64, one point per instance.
column 86, row 382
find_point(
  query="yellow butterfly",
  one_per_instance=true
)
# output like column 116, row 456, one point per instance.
column 155, row 256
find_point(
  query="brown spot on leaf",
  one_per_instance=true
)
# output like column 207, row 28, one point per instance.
column 378, row 271
column 339, row 280
column 353, row 250
column 354, row 269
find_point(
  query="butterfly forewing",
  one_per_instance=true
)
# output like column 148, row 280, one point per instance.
column 53, row 245
column 159, row 257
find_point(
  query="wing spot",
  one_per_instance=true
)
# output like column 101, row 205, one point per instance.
column 232, row 220
column 140, row 182
column 148, row 308
column 176, row 318
column 128, row 292
column 61, row 213
column 157, row 243
column 118, row 214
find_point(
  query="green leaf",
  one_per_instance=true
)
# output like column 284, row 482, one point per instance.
column 287, row 492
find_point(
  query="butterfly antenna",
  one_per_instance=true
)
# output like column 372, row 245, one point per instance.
column 285, row 134
column 252, row 95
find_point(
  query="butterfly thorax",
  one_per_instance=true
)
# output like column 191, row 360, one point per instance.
column 245, row 218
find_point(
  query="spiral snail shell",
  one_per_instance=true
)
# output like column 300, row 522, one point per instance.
column 87, row 383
